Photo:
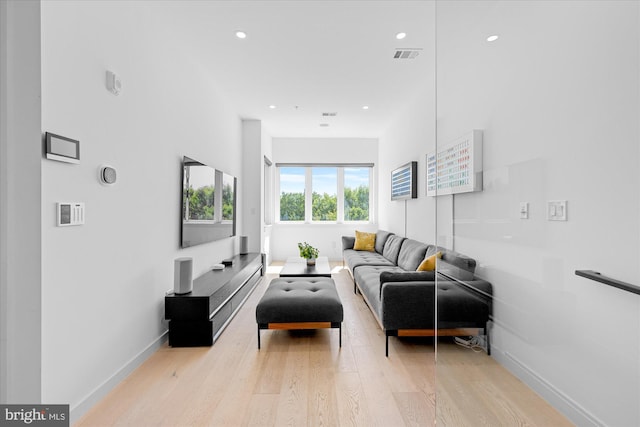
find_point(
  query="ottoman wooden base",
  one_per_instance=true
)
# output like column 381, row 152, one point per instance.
column 300, row 303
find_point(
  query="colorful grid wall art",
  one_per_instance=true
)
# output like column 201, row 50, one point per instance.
column 456, row 167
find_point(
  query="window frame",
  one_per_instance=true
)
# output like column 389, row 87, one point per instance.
column 308, row 192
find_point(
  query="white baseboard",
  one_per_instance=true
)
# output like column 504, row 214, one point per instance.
column 556, row 398
column 77, row 411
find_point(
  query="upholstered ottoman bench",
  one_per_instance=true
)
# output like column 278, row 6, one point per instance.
column 300, row 303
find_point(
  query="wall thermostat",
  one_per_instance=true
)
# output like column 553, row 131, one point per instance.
column 70, row 213
column 107, row 175
column 114, row 84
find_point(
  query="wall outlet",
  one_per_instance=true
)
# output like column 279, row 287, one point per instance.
column 557, row 210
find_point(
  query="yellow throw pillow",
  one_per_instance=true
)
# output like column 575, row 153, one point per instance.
column 365, row 241
column 429, row 263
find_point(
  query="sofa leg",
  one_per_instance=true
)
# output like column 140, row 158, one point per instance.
column 386, row 348
column 258, row 337
column 486, row 334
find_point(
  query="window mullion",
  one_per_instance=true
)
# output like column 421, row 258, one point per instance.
column 308, row 195
column 340, row 213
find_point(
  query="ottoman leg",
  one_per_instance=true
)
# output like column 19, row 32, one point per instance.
column 258, row 337
column 340, row 334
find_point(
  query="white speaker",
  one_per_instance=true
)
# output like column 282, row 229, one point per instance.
column 244, row 245
column 182, row 276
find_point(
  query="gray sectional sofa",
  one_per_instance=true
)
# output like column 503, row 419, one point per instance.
column 403, row 300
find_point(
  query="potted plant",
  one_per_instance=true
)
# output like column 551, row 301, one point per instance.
column 308, row 252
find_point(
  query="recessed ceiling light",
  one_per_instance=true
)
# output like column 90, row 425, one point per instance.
column 241, row 34
column 324, row 125
column 273, row 107
column 365, row 107
column 400, row 36
column 493, row 38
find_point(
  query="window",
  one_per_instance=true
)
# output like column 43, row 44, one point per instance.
column 292, row 190
column 325, row 193
column 324, row 201
column 356, row 194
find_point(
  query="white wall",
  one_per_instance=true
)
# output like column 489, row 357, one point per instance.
column 326, row 237
column 558, row 103
column 256, row 144
column 20, row 153
column 410, row 138
column 104, row 282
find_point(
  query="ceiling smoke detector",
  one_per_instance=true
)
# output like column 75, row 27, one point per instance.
column 406, row 53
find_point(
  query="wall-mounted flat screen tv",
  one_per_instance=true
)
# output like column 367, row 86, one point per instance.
column 208, row 204
column 404, row 182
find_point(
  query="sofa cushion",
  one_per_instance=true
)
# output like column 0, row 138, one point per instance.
column 407, row 276
column 368, row 279
column 381, row 239
column 365, row 241
column 355, row 259
column 460, row 304
column 392, row 248
column 458, row 260
column 348, row 242
column 429, row 263
column 411, row 254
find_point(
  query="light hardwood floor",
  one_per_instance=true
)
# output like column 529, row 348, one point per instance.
column 304, row 378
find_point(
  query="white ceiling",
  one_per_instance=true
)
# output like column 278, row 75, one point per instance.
column 309, row 58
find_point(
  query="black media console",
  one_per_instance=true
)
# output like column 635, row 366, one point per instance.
column 198, row 318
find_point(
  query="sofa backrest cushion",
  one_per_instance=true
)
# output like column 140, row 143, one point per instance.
column 381, row 239
column 392, row 248
column 454, row 258
column 411, row 254
column 348, row 242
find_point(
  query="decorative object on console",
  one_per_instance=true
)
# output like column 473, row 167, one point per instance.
column 227, row 262
column 308, row 252
column 404, row 182
column 182, row 276
column 244, row 245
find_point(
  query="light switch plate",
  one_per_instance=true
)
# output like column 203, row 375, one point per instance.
column 557, row 210
column 70, row 213
column 524, row 210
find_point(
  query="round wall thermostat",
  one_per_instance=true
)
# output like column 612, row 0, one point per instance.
column 107, row 175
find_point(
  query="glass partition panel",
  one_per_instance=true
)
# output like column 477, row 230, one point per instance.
column 552, row 90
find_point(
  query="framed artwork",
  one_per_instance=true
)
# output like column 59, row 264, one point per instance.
column 456, row 167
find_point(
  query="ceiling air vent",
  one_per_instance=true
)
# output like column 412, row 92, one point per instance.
column 329, row 114
column 406, row 53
